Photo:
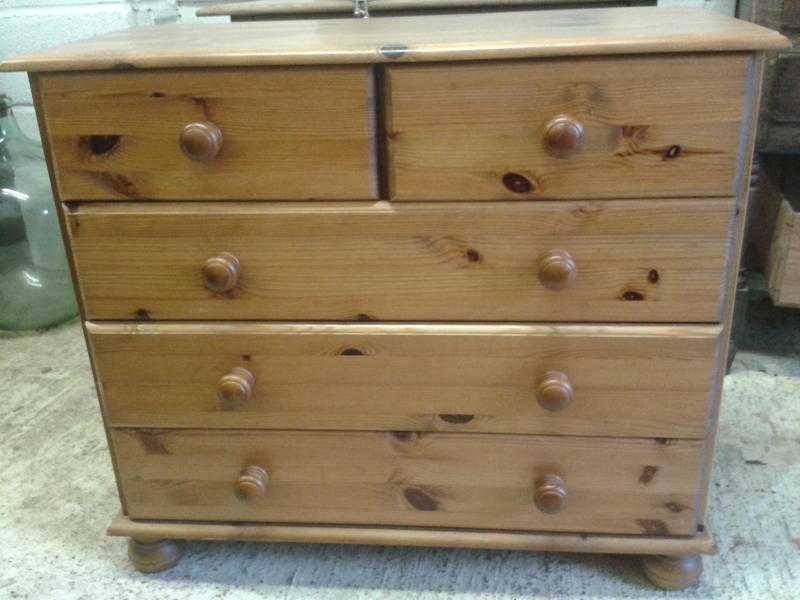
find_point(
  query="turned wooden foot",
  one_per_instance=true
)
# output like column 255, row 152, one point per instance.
column 673, row 572
column 152, row 556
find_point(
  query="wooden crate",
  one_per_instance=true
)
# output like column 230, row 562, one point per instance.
column 777, row 229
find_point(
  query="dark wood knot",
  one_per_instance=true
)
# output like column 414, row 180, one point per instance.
column 100, row 145
column 456, row 419
column 648, row 474
column 420, row 499
column 672, row 152
column 632, row 295
column 351, row 352
column 519, row 184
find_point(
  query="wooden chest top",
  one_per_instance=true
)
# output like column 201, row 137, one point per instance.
column 408, row 39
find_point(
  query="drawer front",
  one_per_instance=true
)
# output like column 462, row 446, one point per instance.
column 633, row 261
column 289, row 133
column 570, row 128
column 436, row 479
column 571, row 379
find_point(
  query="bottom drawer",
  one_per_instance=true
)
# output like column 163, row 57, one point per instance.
column 637, row 486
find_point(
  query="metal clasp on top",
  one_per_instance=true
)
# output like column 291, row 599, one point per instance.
column 361, row 9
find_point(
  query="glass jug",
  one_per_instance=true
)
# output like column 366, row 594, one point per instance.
column 35, row 284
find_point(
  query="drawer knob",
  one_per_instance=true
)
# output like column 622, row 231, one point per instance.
column 554, row 391
column 252, row 482
column 551, row 494
column 557, row 269
column 236, row 387
column 201, row 141
column 221, row 273
column 562, row 136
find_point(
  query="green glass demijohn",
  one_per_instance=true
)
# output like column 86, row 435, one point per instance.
column 35, row 285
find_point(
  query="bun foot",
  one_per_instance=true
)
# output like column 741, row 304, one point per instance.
column 152, row 556
column 673, row 572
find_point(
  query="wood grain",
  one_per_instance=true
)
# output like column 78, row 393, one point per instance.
column 783, row 266
column 408, row 39
column 776, row 233
column 150, row 555
column 626, row 380
column 636, row 261
column 750, row 108
column 435, row 479
column 287, row 133
column 62, row 223
column 673, row 572
column 417, row 536
column 652, row 126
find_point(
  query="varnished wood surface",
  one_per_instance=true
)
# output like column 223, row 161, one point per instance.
column 163, row 483
column 255, row 8
column 408, row 39
column 743, row 177
column 777, row 236
column 783, row 266
column 640, row 126
column 286, row 133
column 636, row 261
column 673, row 572
column 62, row 223
column 417, row 536
column 150, row 555
column 436, row 479
column 626, row 380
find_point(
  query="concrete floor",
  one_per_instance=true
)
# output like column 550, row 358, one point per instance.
column 57, row 495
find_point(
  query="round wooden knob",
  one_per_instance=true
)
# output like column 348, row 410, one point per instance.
column 201, row 141
column 557, row 269
column 551, row 494
column 221, row 273
column 554, row 391
column 236, row 387
column 562, row 136
column 252, row 482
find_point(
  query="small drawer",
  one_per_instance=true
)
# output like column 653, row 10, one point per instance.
column 591, row 380
column 249, row 133
column 617, row 261
column 601, row 485
column 642, row 126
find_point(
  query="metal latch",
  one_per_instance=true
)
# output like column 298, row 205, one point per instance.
column 361, row 9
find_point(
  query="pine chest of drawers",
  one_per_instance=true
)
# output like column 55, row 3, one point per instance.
column 457, row 281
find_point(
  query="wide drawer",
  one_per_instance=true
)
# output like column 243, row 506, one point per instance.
column 555, row 261
column 640, row 126
column 292, row 133
column 437, row 479
column 594, row 380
